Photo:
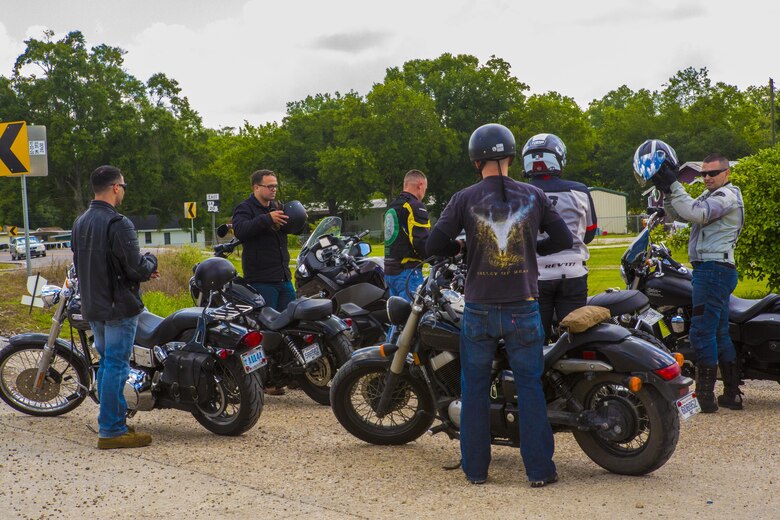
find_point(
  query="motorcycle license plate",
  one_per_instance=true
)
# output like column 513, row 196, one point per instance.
column 651, row 316
column 311, row 353
column 253, row 359
column 688, row 406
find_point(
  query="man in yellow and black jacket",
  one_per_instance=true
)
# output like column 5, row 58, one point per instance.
column 406, row 232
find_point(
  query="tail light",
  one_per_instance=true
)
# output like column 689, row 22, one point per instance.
column 251, row 339
column 668, row 373
column 348, row 322
column 308, row 338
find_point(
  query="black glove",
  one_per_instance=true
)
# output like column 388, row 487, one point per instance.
column 664, row 178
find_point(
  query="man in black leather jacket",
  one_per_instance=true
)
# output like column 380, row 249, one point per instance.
column 110, row 269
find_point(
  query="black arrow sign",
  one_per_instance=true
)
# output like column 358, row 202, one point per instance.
column 12, row 162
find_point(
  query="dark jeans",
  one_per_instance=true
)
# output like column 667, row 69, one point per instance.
column 276, row 295
column 518, row 324
column 114, row 342
column 397, row 283
column 561, row 296
column 713, row 283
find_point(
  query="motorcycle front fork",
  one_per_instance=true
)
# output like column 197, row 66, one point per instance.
column 47, row 357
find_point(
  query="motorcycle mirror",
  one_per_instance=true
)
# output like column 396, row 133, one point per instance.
column 223, row 230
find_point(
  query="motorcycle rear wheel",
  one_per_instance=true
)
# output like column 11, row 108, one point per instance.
column 355, row 394
column 650, row 430
column 65, row 386
column 317, row 380
column 238, row 401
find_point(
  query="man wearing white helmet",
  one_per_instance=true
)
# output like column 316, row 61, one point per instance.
column 563, row 276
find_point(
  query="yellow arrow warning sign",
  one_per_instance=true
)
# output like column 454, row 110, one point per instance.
column 190, row 211
column 13, row 231
column 14, row 149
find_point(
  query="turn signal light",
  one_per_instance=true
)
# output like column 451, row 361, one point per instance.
column 668, row 373
column 251, row 339
column 634, row 384
column 679, row 358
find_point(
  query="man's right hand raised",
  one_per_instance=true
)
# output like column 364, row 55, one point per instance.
column 279, row 218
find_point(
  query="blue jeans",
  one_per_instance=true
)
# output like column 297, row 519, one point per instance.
column 713, row 283
column 114, row 342
column 519, row 325
column 276, row 295
column 397, row 283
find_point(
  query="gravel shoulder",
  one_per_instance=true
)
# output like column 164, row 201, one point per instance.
column 300, row 463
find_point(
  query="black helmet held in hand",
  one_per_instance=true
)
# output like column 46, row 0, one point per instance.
column 491, row 142
column 296, row 218
column 213, row 273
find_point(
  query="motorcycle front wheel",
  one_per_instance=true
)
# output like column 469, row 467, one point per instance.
column 355, row 394
column 316, row 381
column 646, row 430
column 237, row 402
column 65, row 384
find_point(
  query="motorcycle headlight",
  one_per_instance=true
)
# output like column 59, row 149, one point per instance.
column 50, row 294
column 302, row 270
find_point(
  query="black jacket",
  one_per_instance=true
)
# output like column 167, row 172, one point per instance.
column 109, row 264
column 406, row 231
column 265, row 258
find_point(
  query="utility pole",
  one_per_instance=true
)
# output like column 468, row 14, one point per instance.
column 772, row 107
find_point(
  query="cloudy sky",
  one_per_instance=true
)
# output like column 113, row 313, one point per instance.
column 242, row 60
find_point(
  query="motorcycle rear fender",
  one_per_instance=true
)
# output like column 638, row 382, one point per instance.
column 32, row 338
column 329, row 326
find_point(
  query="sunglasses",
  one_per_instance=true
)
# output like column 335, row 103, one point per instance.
column 123, row 186
column 713, row 173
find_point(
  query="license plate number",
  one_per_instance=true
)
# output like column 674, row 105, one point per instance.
column 651, row 316
column 311, row 353
column 688, row 406
column 253, row 360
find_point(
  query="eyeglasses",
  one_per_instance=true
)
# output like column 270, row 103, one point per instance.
column 123, row 186
column 270, row 186
column 713, row 173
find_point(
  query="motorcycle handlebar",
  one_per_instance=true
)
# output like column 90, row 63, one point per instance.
column 447, row 307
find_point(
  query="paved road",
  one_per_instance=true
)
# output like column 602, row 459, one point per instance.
column 299, row 463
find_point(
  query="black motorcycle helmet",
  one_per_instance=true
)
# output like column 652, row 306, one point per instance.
column 213, row 273
column 544, row 154
column 491, row 142
column 296, row 218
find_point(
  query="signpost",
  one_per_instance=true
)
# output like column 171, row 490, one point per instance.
column 23, row 153
column 212, row 206
column 190, row 212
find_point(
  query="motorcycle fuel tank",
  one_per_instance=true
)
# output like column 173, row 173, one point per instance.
column 669, row 289
column 437, row 334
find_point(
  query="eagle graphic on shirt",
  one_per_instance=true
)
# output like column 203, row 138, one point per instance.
column 500, row 230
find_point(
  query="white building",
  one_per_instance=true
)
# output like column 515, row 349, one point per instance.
column 152, row 234
column 611, row 210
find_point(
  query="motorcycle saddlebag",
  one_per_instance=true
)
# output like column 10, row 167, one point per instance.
column 189, row 376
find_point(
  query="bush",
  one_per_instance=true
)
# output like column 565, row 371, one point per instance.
column 758, row 249
column 175, row 270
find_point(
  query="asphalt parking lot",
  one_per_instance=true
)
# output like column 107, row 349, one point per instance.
column 299, row 463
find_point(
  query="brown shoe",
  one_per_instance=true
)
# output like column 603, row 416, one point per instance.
column 131, row 439
column 274, row 390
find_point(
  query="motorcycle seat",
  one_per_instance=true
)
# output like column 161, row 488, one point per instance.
column 153, row 330
column 620, row 302
column 352, row 310
column 302, row 309
column 602, row 333
column 741, row 310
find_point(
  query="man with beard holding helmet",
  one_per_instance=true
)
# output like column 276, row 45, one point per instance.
column 716, row 217
column 502, row 218
column 563, row 276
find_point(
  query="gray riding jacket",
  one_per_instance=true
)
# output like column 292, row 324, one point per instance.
column 716, row 219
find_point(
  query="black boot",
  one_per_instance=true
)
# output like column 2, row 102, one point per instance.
column 705, row 388
column 732, row 396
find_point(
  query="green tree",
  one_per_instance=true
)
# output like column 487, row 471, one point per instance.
column 758, row 248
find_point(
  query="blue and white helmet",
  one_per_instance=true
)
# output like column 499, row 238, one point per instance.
column 650, row 157
column 544, row 154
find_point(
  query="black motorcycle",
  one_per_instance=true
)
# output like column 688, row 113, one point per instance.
column 621, row 397
column 192, row 360
column 306, row 342
column 754, row 324
column 337, row 267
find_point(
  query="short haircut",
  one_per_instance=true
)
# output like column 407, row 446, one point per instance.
column 104, row 177
column 257, row 177
column 414, row 176
column 718, row 158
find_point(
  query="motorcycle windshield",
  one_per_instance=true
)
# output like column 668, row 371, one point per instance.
column 637, row 247
column 327, row 226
